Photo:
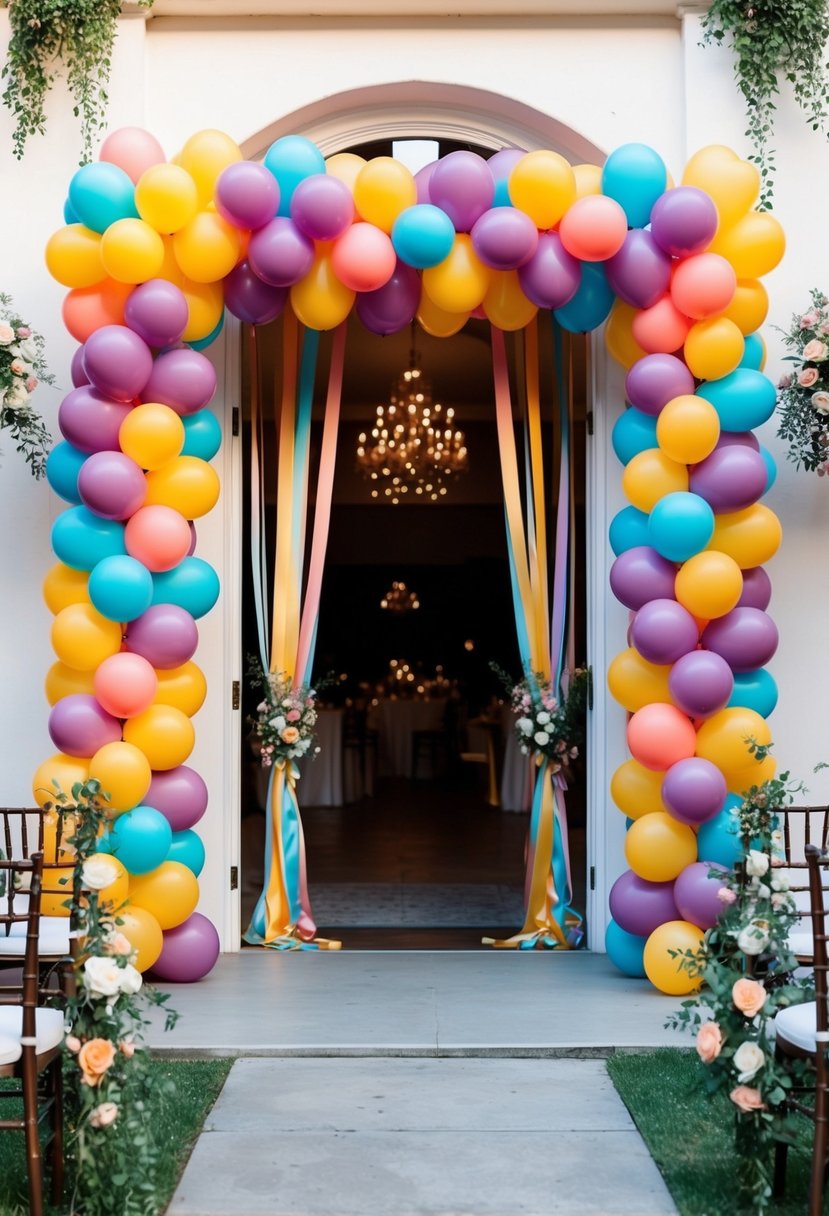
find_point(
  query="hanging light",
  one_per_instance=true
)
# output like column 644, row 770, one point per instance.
column 400, row 598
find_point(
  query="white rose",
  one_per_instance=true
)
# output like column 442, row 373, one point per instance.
column 780, row 882
column 754, row 938
column 748, row 1060
column 525, row 726
column 28, row 350
column 17, row 394
column 278, row 722
column 820, row 402
column 757, row 863
column 131, row 980
column 99, row 871
column 102, row 976
column 542, row 718
column 541, row 738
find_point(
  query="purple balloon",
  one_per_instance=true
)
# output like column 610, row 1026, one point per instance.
column 696, row 894
column 641, row 574
column 462, row 185
column 112, row 485
column 502, row 163
column 181, row 796
column 731, row 478
column 655, row 380
column 322, row 207
column 639, row 906
column 279, row 253
column 684, row 221
column 663, row 631
column 756, row 591
column 745, row 637
column 247, row 194
column 193, row 539
column 249, row 298
column 640, row 273
column 183, row 379
column 504, row 238
column 694, row 790
column 552, row 276
column 117, row 362
column 91, row 421
column 79, row 376
column 165, row 635
column 79, row 726
column 157, row 311
column 391, row 307
column 729, row 439
column 189, row 951
column 701, row 683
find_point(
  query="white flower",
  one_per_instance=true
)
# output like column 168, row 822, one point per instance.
column 542, row 718
column 6, row 335
column 99, row 871
column 131, row 980
column 780, row 882
column 525, row 751
column 748, row 1060
column 757, row 863
column 525, row 725
column 541, row 738
column 102, row 976
column 278, row 723
column 820, row 402
column 28, row 351
column 17, row 394
column 754, row 938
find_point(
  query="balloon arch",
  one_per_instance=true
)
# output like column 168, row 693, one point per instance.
column 153, row 251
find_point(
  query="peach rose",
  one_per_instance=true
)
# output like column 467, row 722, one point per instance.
column 127, row 1048
column 815, row 351
column 73, row 1043
column 747, row 1099
column 749, row 997
column 95, row 1057
column 808, row 377
column 119, row 944
column 709, row 1042
column 104, row 1114
column 290, row 735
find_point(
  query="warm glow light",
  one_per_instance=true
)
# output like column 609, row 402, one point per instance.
column 399, row 598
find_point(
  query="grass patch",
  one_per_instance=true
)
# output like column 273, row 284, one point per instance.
column 691, row 1136
column 175, row 1121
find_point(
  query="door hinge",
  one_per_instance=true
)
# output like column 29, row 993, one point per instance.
column 235, row 695
column 234, row 420
column 589, row 420
column 234, row 877
column 592, row 878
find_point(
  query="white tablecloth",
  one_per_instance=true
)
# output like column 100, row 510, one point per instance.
column 321, row 782
column 517, row 772
column 397, row 722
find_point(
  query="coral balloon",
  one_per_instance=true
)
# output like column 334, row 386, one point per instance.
column 659, row 735
column 662, row 328
column 363, row 258
column 658, row 847
column 593, row 229
column 703, row 285
column 662, row 966
column 157, row 536
column 169, row 893
column 125, row 684
column 124, row 774
column 86, row 309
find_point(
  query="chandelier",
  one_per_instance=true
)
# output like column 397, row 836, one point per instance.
column 400, row 598
column 413, row 448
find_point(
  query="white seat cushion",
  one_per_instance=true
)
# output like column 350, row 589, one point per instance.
column 49, row 1031
column 54, row 938
column 797, row 1025
column 800, row 940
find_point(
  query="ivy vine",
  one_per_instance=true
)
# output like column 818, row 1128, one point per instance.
column 773, row 40
column 52, row 38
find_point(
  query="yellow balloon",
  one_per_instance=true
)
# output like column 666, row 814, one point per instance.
column 753, row 246
column 166, row 198
column 56, row 892
column 170, row 269
column 163, row 733
column 649, row 475
column 205, row 303
column 143, row 932
column 63, row 586
column 460, row 282
column 57, row 775
column 320, row 300
column 151, row 435
column 82, row 638
column 62, row 681
column 543, row 185
column 634, row 682
column 713, row 348
column 658, row 847
column 662, row 966
column 619, row 337
column 505, row 304
column 724, row 739
column 751, row 536
column 188, row 484
column 207, row 248
column 749, row 307
column 733, row 184
column 345, row 166
column 588, row 180
column 382, row 189
column 204, row 156
column 169, row 893
column 132, row 251
column 73, row 256
column 637, row 790
column 709, row 584
column 688, row 428
column 124, row 773
column 184, row 687
column 436, row 321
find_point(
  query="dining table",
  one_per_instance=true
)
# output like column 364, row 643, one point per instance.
column 397, row 720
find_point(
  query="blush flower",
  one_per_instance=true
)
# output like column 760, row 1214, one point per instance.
column 820, row 402
column 103, row 1115
column 726, row 896
column 289, row 735
column 815, row 351
column 747, row 1099
column 808, row 377
column 748, row 996
column 709, row 1042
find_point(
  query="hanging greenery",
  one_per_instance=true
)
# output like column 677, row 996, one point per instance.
column 50, row 38
column 773, row 41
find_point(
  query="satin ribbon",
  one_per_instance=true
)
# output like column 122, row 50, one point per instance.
column 258, row 547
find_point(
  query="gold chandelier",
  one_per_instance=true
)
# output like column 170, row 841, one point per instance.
column 400, row 598
column 413, row 447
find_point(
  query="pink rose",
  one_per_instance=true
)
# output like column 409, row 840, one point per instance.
column 127, row 1048
column 808, row 377
column 709, row 1042
column 23, row 331
column 72, row 1043
column 31, row 384
column 809, row 320
column 815, row 351
column 290, row 735
column 748, row 996
column 747, row 1099
column 18, row 367
column 104, row 1114
column 820, row 402
column 293, row 715
column 784, row 382
column 726, row 896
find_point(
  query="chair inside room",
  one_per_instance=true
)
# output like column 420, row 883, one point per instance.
column 31, row 1035
column 802, row 826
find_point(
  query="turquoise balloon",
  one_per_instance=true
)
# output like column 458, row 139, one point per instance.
column 680, row 525
column 771, row 465
column 193, row 585
column 100, row 194
column 202, row 435
column 69, row 216
column 140, row 839
column 501, row 197
column 63, row 464
column 755, row 690
column 423, row 235
column 201, row 343
column 635, row 176
column 633, row 432
column 753, row 353
column 625, row 950
column 744, row 399
column 718, row 839
column 628, row 529
column 187, row 848
column 81, row 539
column 291, row 159
column 121, row 588
column 591, row 304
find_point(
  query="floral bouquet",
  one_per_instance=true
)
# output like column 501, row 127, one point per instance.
column 549, row 725
column 22, row 368
column 286, row 717
column 803, row 395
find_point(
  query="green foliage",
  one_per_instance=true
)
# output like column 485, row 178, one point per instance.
column 22, row 368
column 803, row 395
column 59, row 37
column 773, row 40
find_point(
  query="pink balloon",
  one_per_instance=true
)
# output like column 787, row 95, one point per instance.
column 125, row 684
column 363, row 258
column 181, row 796
column 91, row 421
column 79, row 726
column 117, row 362
column 189, row 951
column 132, row 149
column 112, row 485
column 158, row 536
